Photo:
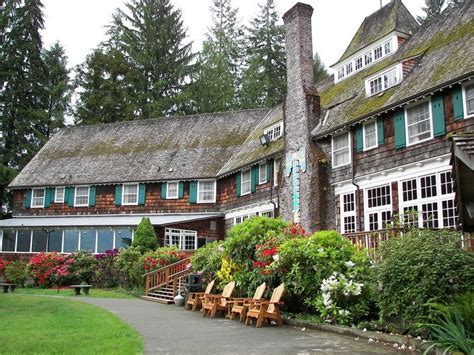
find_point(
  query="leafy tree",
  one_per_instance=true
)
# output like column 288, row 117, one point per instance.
column 432, row 10
column 217, row 71
column 145, row 237
column 264, row 78
column 104, row 87
column 319, row 70
column 150, row 34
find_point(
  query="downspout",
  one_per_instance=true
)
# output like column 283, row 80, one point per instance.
column 272, row 173
column 357, row 197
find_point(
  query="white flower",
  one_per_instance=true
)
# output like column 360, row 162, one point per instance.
column 276, row 257
column 344, row 312
column 371, row 340
column 327, row 301
column 220, row 248
column 349, row 264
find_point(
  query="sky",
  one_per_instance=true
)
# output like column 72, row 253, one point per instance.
column 80, row 25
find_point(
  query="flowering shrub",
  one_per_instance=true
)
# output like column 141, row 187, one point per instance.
column 107, row 274
column 294, row 230
column 16, row 272
column 42, row 267
column 3, row 264
column 226, row 273
column 61, row 274
column 161, row 257
column 207, row 260
column 129, row 264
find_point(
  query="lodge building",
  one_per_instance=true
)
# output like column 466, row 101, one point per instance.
column 368, row 147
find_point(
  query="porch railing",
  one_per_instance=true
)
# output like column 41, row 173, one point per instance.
column 172, row 273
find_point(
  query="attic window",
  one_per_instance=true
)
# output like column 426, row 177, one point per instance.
column 387, row 47
column 383, row 81
column 81, row 197
column 130, row 194
column 358, row 63
column 368, row 58
column 340, row 73
column 274, row 132
column 378, row 52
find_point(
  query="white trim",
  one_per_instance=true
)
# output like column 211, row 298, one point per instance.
column 123, row 194
column 56, row 200
column 242, row 193
column 464, row 100
column 349, row 143
column 270, row 131
column 199, row 200
column 276, row 170
column 75, row 196
column 430, row 120
column 249, row 209
column 168, row 197
column 378, row 210
column 33, row 198
column 343, row 214
column 1, row 240
column 181, row 234
column 374, row 122
column 260, row 181
column 397, row 69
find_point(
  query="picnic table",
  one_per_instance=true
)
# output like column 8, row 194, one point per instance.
column 77, row 289
column 7, row 286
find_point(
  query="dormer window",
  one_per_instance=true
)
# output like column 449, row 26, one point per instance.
column 37, row 198
column 349, row 68
column 340, row 73
column 383, row 81
column 368, row 58
column 387, row 47
column 378, row 52
column 358, row 63
column 274, row 132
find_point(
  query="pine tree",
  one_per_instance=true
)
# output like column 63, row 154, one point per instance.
column 432, row 10
column 57, row 86
column 104, row 88
column 145, row 237
column 151, row 35
column 217, row 72
column 264, row 78
column 319, row 70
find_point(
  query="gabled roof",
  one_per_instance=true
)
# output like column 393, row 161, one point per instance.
column 187, row 147
column 442, row 50
column 392, row 17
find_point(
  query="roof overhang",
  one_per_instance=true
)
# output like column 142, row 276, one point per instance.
column 131, row 220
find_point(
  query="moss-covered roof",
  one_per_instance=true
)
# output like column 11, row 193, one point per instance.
column 392, row 17
column 186, row 147
column 442, row 49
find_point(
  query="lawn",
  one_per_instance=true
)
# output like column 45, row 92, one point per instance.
column 99, row 293
column 46, row 325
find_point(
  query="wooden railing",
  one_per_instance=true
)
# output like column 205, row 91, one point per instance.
column 170, row 273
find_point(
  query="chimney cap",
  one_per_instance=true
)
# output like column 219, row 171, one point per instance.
column 299, row 9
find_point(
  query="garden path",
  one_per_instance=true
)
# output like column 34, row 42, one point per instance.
column 169, row 329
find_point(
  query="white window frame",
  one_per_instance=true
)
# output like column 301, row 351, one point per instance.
column 271, row 131
column 378, row 209
column 387, row 44
column 168, row 195
column 356, row 66
column 260, row 167
column 75, row 196
column 276, row 170
column 181, row 234
column 381, row 52
column 56, row 199
column 349, row 147
column 374, row 122
column 344, row 214
column 245, row 182
column 199, row 200
column 430, row 120
column 33, row 205
column 123, row 195
column 464, row 99
column 340, row 73
column 397, row 70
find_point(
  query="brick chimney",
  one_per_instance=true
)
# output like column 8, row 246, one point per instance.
column 300, row 197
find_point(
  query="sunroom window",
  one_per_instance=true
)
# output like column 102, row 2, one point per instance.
column 419, row 123
column 37, row 198
column 340, row 150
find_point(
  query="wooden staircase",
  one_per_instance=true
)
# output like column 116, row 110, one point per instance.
column 162, row 285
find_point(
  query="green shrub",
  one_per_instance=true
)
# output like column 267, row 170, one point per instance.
column 145, row 237
column 421, row 267
column 161, row 257
column 207, row 260
column 130, row 264
column 16, row 272
column 83, row 268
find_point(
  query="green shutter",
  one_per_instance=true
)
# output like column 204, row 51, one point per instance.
column 118, row 195
column 380, row 131
column 28, row 198
column 92, row 196
column 238, row 183
column 180, row 189
column 359, row 138
column 458, row 106
column 254, row 178
column 47, row 196
column 141, row 193
column 439, row 123
column 269, row 170
column 53, row 195
column 70, row 198
column 399, row 122
column 164, row 187
column 193, row 191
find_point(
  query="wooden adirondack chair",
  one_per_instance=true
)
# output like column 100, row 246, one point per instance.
column 194, row 298
column 211, row 304
column 241, row 305
column 269, row 310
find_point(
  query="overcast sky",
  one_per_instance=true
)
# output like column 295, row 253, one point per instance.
column 79, row 25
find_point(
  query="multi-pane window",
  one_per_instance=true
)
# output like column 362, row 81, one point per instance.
column 448, row 209
column 358, row 63
column 59, row 195
column 383, row 81
column 378, row 196
column 276, row 170
column 274, row 132
column 446, row 183
column 172, row 190
column 349, row 68
column 387, row 46
column 181, row 238
column 409, row 190
column 370, row 135
column 428, row 186
column 376, row 86
column 418, row 123
column 378, row 53
column 340, row 73
column 368, row 58
column 244, row 216
column 262, row 173
column 37, row 197
column 378, row 207
column 348, row 213
column 81, row 196
column 340, row 150
column 206, row 191
column 469, row 97
column 130, row 194
column 245, row 184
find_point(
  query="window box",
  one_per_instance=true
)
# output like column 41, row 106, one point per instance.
column 38, row 198
column 81, row 196
column 206, row 191
column 341, row 150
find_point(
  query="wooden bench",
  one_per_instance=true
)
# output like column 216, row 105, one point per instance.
column 7, row 286
column 77, row 289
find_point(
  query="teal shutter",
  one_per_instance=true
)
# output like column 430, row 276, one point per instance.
column 52, row 195
column 92, row 196
column 164, row 187
column 269, row 170
column 28, row 198
column 70, row 198
column 254, row 178
column 380, row 132
column 458, row 107
column 141, row 193
column 180, row 189
column 193, row 191
column 359, row 138
column 439, row 123
column 399, row 122
column 118, row 195
column 47, row 196
column 238, row 183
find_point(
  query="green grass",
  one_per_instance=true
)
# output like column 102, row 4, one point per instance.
column 99, row 293
column 46, row 325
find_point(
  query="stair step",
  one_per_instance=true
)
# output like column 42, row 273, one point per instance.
column 158, row 300
column 160, row 295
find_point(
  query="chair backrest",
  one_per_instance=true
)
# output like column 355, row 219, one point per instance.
column 209, row 287
column 259, row 291
column 227, row 292
column 276, row 296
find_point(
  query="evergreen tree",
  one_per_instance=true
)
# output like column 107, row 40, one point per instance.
column 151, row 35
column 104, row 88
column 432, row 10
column 264, row 78
column 217, row 72
column 57, row 86
column 319, row 70
column 145, row 237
